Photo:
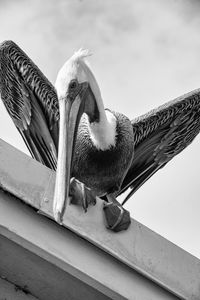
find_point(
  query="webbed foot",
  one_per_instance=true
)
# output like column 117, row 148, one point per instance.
column 117, row 217
column 80, row 194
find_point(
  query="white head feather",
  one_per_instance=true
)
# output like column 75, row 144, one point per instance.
column 76, row 68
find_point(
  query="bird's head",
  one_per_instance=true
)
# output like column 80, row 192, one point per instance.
column 77, row 92
column 72, row 74
column 76, row 83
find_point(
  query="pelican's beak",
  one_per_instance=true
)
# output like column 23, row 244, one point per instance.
column 71, row 111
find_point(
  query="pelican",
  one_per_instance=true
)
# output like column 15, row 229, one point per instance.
column 68, row 129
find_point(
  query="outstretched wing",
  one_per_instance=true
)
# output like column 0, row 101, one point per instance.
column 31, row 101
column 159, row 136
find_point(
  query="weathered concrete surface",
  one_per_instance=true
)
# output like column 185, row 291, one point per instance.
column 39, row 277
column 140, row 248
column 9, row 291
column 55, row 263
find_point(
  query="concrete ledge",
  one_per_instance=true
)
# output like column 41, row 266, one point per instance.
column 141, row 255
column 54, row 263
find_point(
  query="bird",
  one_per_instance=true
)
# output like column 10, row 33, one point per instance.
column 67, row 128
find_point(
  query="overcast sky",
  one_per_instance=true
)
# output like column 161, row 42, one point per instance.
column 144, row 54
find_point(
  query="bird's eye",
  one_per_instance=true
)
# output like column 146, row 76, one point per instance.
column 73, row 85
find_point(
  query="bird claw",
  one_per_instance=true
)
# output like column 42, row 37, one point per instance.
column 117, row 217
column 80, row 194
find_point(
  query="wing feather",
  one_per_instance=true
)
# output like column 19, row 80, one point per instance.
column 31, row 101
column 159, row 136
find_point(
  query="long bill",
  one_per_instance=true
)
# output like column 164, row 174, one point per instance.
column 70, row 114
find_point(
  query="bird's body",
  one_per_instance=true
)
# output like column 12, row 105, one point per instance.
column 106, row 151
column 103, row 170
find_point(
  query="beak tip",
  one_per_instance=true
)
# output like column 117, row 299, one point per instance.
column 57, row 212
column 58, row 217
